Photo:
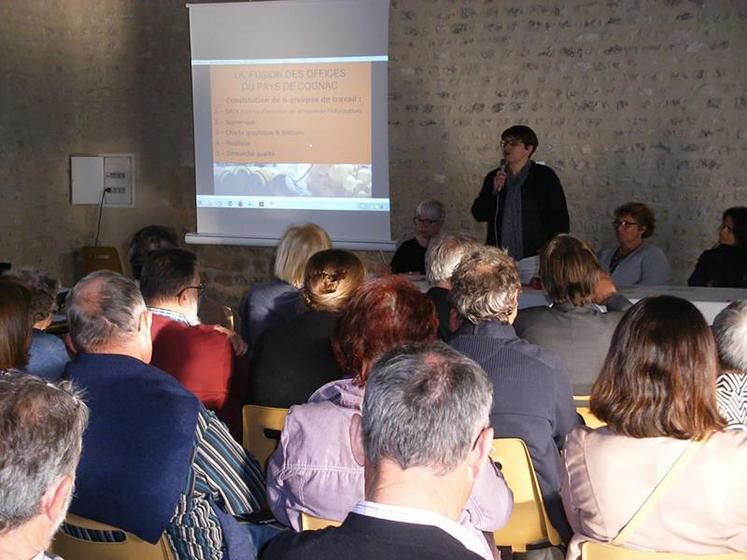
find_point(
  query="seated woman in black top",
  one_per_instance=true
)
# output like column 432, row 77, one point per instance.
column 725, row 266
column 294, row 359
column 410, row 256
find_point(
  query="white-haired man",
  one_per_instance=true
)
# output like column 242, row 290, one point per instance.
column 41, row 427
column 730, row 328
column 442, row 257
column 423, row 438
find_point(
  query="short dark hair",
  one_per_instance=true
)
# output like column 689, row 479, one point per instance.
column 15, row 323
column 382, row 314
column 659, row 377
column 641, row 214
column 41, row 427
column 522, row 133
column 738, row 215
column 569, row 270
column 146, row 240
column 166, row 272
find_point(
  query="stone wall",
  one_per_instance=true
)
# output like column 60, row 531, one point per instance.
column 631, row 100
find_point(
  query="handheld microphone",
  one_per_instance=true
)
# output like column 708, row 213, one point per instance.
column 502, row 168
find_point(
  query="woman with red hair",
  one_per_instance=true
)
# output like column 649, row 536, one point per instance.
column 313, row 469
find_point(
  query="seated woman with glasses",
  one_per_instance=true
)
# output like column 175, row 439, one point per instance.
column 725, row 265
column 664, row 444
column 410, row 255
column 635, row 261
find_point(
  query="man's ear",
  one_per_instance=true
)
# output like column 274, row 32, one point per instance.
column 146, row 320
column 183, row 299
column 482, row 450
column 70, row 345
column 55, row 499
column 356, row 439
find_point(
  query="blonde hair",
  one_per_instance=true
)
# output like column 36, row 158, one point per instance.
column 331, row 278
column 295, row 248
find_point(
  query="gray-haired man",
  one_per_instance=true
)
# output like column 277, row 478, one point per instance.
column 41, row 427
column 155, row 459
column 532, row 397
column 423, row 438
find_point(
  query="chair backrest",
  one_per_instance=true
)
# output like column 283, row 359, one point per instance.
column 84, row 539
column 582, row 407
column 99, row 258
column 309, row 522
column 604, row 551
column 529, row 523
column 589, row 419
column 262, row 426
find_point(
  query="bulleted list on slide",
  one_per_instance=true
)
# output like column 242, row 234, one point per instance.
column 288, row 112
column 292, row 129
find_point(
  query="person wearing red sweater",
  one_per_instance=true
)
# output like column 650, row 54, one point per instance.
column 207, row 360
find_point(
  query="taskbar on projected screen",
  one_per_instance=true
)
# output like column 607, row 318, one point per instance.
column 294, row 203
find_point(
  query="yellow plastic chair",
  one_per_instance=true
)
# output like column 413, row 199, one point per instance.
column 589, row 419
column 120, row 546
column 262, row 425
column 529, row 523
column 604, row 551
column 311, row 523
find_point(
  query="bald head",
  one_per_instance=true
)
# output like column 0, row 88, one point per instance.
column 105, row 312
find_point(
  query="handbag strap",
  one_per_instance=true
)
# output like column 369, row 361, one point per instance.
column 669, row 477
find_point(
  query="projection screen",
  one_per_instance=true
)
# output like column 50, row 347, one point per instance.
column 290, row 120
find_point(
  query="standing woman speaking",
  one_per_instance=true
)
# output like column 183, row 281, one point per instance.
column 522, row 201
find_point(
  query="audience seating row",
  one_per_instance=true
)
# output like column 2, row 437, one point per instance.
column 527, row 528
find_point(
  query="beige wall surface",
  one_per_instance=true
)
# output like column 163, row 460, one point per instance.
column 640, row 100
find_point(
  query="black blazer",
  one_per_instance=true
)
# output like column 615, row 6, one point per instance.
column 293, row 360
column 368, row 538
column 544, row 213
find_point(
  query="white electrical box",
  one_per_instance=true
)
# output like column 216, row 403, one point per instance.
column 109, row 175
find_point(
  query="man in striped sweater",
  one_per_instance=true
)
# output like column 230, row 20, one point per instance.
column 154, row 460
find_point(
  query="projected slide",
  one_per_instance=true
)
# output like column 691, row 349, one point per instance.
column 292, row 129
column 290, row 118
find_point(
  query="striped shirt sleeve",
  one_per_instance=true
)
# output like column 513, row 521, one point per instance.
column 224, row 470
